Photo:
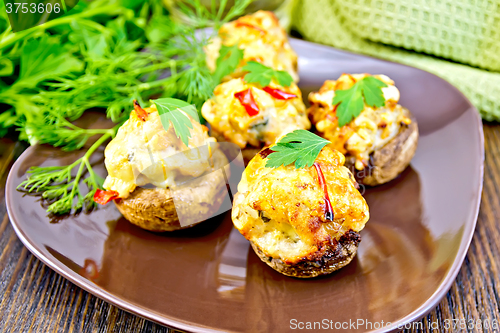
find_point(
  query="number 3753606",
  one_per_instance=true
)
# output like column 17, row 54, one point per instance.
column 28, row 7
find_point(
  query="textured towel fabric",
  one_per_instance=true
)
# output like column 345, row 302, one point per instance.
column 419, row 33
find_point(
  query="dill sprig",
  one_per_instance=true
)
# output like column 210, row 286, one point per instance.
column 59, row 186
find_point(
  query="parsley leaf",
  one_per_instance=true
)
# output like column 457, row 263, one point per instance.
column 172, row 110
column 350, row 104
column 300, row 147
column 350, row 101
column 258, row 73
column 372, row 91
column 227, row 62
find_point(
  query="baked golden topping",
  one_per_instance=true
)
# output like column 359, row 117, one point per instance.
column 284, row 212
column 144, row 153
column 262, row 39
column 371, row 130
column 247, row 114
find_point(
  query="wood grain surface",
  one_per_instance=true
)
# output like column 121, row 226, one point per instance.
column 36, row 299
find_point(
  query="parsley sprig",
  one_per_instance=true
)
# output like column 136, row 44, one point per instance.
column 300, row 147
column 352, row 101
column 172, row 110
column 263, row 75
column 227, row 62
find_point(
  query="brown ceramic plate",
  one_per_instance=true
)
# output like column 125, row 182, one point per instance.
column 205, row 279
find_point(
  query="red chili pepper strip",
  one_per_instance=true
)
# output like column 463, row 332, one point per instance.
column 279, row 94
column 103, row 197
column 246, row 99
column 141, row 113
column 329, row 210
column 251, row 26
column 265, row 152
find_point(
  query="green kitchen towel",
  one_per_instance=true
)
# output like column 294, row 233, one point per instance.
column 458, row 40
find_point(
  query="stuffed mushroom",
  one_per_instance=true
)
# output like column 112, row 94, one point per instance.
column 379, row 143
column 251, row 116
column 146, row 164
column 301, row 222
column 261, row 38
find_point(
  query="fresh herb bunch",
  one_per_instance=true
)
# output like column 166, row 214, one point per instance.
column 299, row 147
column 101, row 55
column 350, row 102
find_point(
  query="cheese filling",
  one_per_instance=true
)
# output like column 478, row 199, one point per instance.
column 276, row 117
column 282, row 210
column 368, row 132
column 144, row 153
column 261, row 38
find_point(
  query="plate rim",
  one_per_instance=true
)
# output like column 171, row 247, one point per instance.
column 166, row 320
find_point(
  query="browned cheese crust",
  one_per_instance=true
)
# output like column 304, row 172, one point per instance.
column 261, row 38
column 230, row 121
column 282, row 212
